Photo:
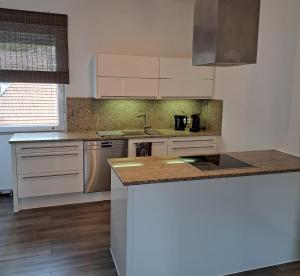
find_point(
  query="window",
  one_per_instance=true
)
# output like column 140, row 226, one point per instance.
column 34, row 66
column 31, row 106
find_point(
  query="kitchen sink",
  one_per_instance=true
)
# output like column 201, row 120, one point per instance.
column 140, row 132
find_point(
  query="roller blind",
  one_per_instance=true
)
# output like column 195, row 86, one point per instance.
column 33, row 47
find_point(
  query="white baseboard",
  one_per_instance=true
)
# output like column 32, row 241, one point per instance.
column 66, row 199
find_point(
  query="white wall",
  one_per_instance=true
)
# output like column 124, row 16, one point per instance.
column 291, row 143
column 138, row 27
column 261, row 102
column 5, row 163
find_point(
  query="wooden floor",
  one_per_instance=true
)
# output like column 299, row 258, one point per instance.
column 69, row 240
column 59, row 241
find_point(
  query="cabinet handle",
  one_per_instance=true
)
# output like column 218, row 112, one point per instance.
column 204, row 147
column 189, row 141
column 53, row 147
column 51, row 175
column 187, row 97
column 50, row 155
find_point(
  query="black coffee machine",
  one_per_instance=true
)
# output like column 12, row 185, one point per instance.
column 180, row 122
column 195, row 123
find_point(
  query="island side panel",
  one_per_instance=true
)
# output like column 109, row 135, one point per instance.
column 215, row 227
column 119, row 223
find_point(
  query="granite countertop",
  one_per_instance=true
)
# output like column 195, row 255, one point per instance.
column 92, row 135
column 144, row 170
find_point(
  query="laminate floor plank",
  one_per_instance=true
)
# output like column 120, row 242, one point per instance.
column 269, row 271
column 24, row 250
column 79, row 246
column 71, row 240
column 27, row 274
column 48, row 263
column 56, row 240
column 86, row 271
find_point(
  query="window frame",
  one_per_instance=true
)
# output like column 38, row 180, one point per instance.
column 61, row 115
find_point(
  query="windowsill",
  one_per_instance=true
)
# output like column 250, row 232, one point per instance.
column 13, row 131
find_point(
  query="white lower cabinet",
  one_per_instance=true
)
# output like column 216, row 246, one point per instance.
column 177, row 146
column 49, row 168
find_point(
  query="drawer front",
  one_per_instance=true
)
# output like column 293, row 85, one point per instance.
column 209, row 149
column 49, row 147
column 192, row 141
column 49, row 162
column 50, row 184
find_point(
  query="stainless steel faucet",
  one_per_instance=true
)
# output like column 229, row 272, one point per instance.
column 146, row 126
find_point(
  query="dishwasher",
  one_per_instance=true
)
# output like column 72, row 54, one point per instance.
column 96, row 169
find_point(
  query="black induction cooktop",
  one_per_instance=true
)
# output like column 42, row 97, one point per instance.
column 215, row 162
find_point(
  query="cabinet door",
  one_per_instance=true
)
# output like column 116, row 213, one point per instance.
column 159, row 146
column 182, row 68
column 128, row 66
column 140, row 88
column 127, row 87
column 109, row 87
column 185, row 88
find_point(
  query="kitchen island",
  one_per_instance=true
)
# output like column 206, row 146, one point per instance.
column 170, row 218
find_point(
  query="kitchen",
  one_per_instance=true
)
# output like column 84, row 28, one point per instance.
column 243, row 108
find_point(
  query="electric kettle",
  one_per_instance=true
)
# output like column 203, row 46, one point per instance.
column 180, row 122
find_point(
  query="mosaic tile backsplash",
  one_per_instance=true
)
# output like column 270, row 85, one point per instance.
column 85, row 114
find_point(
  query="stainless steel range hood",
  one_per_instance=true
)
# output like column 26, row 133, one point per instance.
column 225, row 32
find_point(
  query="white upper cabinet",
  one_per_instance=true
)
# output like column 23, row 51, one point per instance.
column 179, row 79
column 127, row 76
column 123, row 76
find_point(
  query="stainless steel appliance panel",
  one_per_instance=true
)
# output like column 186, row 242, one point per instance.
column 96, row 169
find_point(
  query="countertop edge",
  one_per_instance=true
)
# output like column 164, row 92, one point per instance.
column 232, row 175
column 13, row 140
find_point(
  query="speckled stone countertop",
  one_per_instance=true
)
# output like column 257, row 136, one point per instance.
column 92, row 135
column 146, row 170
